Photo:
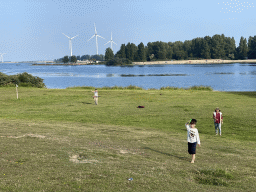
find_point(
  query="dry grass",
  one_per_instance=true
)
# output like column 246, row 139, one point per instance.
column 68, row 156
column 98, row 148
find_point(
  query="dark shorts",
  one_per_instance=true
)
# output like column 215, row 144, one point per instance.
column 192, row 148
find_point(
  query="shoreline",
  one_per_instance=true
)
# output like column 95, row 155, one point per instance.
column 176, row 62
column 205, row 61
column 172, row 62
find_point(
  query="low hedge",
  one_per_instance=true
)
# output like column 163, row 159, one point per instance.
column 22, row 80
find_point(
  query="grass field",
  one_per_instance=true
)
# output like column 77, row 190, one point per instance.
column 58, row 140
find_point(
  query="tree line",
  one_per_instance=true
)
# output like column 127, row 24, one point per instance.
column 215, row 47
column 73, row 59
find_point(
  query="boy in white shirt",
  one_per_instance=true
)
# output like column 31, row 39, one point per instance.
column 192, row 138
column 95, row 97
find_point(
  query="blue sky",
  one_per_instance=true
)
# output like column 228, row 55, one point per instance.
column 32, row 29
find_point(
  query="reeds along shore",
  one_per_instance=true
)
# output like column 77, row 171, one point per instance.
column 205, row 61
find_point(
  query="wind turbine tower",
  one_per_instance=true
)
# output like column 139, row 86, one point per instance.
column 70, row 43
column 111, row 42
column 2, row 56
column 96, row 36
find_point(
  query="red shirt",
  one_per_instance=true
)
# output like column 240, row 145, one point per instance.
column 217, row 120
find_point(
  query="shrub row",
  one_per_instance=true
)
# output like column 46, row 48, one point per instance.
column 22, row 80
column 203, row 88
column 118, row 61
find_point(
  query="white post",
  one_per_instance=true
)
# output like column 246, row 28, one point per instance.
column 17, row 91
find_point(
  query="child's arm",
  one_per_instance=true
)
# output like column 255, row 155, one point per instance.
column 198, row 140
column 187, row 125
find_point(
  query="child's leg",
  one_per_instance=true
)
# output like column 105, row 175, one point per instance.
column 216, row 128
column 220, row 128
column 96, row 100
column 193, row 158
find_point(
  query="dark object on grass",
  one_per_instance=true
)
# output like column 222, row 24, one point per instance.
column 140, row 107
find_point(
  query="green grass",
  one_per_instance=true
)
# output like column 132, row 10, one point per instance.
column 58, row 140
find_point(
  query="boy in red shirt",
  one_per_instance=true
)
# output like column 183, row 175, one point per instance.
column 218, row 120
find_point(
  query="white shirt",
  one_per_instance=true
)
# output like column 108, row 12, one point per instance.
column 193, row 135
column 96, row 93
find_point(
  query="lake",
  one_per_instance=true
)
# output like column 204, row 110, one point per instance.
column 221, row 77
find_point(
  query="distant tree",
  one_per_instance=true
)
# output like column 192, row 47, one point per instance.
column 122, row 51
column 131, row 51
column 134, row 52
column 118, row 61
column 78, row 57
column 151, row 57
column 206, row 50
column 187, row 47
column 242, row 49
column 229, row 46
column 97, row 57
column 128, row 51
column 73, row 59
column 85, row 57
column 149, row 51
column 109, row 54
column 141, row 52
column 252, row 47
column 196, row 47
column 65, row 59
column 217, row 50
column 180, row 55
column 169, row 51
column 161, row 50
column 178, row 51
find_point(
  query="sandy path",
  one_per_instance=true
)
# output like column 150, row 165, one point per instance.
column 205, row 61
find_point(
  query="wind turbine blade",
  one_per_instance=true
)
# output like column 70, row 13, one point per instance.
column 106, row 43
column 114, row 42
column 91, row 37
column 101, row 37
column 66, row 35
column 74, row 37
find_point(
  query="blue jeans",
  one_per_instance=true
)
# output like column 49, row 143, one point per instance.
column 217, row 126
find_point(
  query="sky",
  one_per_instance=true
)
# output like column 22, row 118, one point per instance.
column 32, row 30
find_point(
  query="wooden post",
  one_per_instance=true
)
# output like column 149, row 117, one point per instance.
column 17, row 91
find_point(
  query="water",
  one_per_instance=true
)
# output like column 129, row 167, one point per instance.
column 221, row 77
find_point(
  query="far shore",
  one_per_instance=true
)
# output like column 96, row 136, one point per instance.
column 204, row 61
column 172, row 62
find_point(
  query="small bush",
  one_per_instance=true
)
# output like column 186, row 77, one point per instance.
column 204, row 88
column 170, row 88
column 82, row 87
column 114, row 87
column 134, row 87
column 22, row 80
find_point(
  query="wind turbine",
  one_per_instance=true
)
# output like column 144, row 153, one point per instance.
column 111, row 42
column 96, row 36
column 2, row 56
column 70, row 43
